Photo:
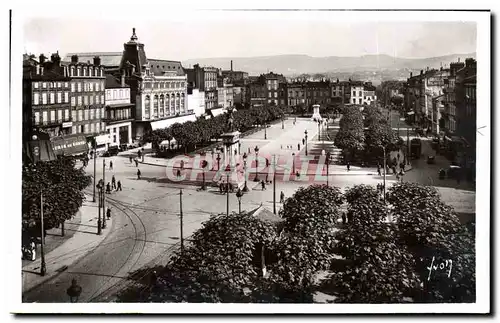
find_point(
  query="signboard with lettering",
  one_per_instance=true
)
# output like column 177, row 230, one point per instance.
column 70, row 145
column 67, row 124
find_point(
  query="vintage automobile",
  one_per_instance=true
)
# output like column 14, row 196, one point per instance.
column 431, row 159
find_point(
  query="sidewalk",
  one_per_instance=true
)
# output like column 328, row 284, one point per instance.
column 81, row 241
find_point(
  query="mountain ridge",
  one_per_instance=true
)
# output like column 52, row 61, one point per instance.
column 294, row 64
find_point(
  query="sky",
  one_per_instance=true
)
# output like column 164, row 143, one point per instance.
column 190, row 35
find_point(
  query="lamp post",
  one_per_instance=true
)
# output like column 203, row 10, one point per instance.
column 218, row 160
column 36, row 158
column 328, row 155
column 100, row 188
column 282, row 122
column 74, row 291
column 256, row 149
column 227, row 190
column 204, row 164
column 305, row 132
column 212, row 153
column 319, row 130
column 265, row 130
column 103, row 196
column 293, row 164
column 239, row 194
column 245, row 188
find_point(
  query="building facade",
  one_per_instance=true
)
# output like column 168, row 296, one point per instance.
column 46, row 96
column 357, row 96
column 158, row 88
column 296, row 94
column 118, row 113
column 196, row 102
column 205, row 80
column 318, row 93
column 369, row 96
column 225, row 97
column 87, row 81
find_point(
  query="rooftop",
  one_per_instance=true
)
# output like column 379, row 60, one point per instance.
column 113, row 83
column 159, row 66
column 107, row 58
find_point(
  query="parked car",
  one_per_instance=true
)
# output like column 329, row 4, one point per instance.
column 431, row 159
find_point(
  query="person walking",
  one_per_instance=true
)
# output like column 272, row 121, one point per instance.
column 298, row 146
column 130, row 158
column 111, row 165
column 263, row 185
column 282, row 197
column 379, row 170
column 108, row 213
column 178, row 173
column 108, row 188
column 113, row 182
column 138, row 174
column 221, row 187
column 348, row 166
column 136, row 162
column 119, row 186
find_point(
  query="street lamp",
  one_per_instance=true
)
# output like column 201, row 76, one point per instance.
column 245, row 188
column 293, row 164
column 327, row 160
column 239, row 194
column 265, row 130
column 100, row 187
column 319, row 130
column 218, row 160
column 305, row 132
column 256, row 149
column 74, row 291
column 282, row 122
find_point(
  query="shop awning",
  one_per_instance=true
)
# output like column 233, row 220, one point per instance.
column 216, row 112
column 70, row 145
column 165, row 123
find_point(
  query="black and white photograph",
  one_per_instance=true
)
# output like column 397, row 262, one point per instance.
column 193, row 160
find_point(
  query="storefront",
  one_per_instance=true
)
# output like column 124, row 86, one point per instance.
column 102, row 142
column 69, row 146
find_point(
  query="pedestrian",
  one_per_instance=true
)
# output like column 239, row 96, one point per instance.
column 182, row 164
column 119, row 186
column 398, row 156
column 113, row 182
column 282, row 197
column 136, row 162
column 139, row 154
column 263, row 185
column 297, row 174
column 348, row 166
column 153, row 278
column 138, row 174
column 221, row 187
column 108, row 213
column 178, row 173
column 378, row 170
column 281, row 147
column 111, row 164
column 130, row 158
column 298, row 147
column 108, row 188
column 249, row 150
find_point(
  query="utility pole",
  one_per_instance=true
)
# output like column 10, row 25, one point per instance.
column 227, row 193
column 99, row 205
column 274, row 185
column 95, row 156
column 103, row 195
column 43, row 268
column 327, row 168
column 385, row 168
column 182, row 225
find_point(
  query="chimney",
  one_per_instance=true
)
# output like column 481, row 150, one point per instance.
column 74, row 58
column 421, row 72
column 123, row 78
column 97, row 61
column 56, row 59
column 37, row 69
column 231, row 65
column 42, row 58
column 411, row 74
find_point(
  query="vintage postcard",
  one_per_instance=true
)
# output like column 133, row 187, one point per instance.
column 276, row 161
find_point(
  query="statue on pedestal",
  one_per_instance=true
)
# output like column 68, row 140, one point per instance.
column 230, row 121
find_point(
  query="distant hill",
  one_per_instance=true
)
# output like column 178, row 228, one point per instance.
column 298, row 64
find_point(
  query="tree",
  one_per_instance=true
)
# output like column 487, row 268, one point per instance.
column 310, row 217
column 61, row 184
column 350, row 136
column 378, row 270
column 433, row 233
column 222, row 260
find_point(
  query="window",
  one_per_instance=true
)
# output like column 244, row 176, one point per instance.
column 92, row 127
column 78, row 73
column 73, row 115
column 37, row 117
column 92, row 114
column 73, row 129
column 66, row 84
column 45, row 116
column 359, row 93
column 44, row 85
column 80, row 115
column 36, row 98
column 59, row 97
column 97, row 113
column 275, row 94
column 44, row 98
column 52, row 97
column 86, row 114
column 85, row 100
column 79, row 87
column 59, row 115
column 97, row 86
column 86, row 127
column 97, row 127
column 102, row 113
column 269, row 94
column 72, row 73
column 66, row 97
column 72, row 87
column 73, row 101
column 96, row 99
column 53, row 115
column 35, row 85
column 91, row 86
column 91, row 100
